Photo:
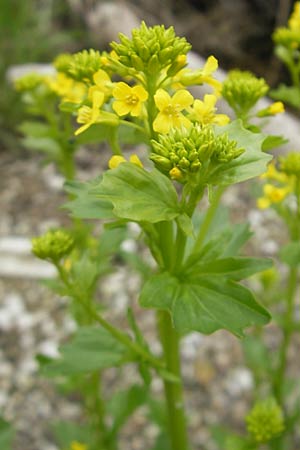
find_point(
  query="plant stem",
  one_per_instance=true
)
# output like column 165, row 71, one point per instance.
column 173, row 391
column 115, row 332
column 287, row 334
column 208, row 219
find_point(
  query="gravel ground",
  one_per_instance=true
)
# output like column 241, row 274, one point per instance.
column 33, row 320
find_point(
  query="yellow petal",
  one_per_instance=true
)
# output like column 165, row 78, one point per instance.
column 100, row 77
column 121, row 90
column 115, row 161
column 134, row 159
column 182, row 99
column 98, row 99
column 83, row 128
column 136, row 109
column 210, row 66
column 162, row 99
column 263, row 203
column 140, row 92
column 121, row 108
column 162, row 123
column 210, row 100
column 221, row 119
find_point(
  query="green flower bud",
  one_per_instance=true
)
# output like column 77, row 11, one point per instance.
column 265, row 420
column 62, row 62
column 29, row 82
column 290, row 164
column 83, row 65
column 287, row 37
column 53, row 245
column 242, row 90
column 156, row 47
column 190, row 150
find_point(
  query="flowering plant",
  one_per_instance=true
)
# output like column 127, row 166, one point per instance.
column 192, row 277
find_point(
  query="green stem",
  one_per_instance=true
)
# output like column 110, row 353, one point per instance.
column 287, row 334
column 173, row 390
column 208, row 219
column 115, row 332
column 114, row 143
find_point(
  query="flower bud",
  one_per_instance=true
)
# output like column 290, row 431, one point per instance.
column 53, row 245
column 265, row 421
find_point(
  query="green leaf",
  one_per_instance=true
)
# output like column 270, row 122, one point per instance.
column 7, row 434
column 186, row 224
column 250, row 164
column 123, row 404
column 290, row 254
column 234, row 268
column 139, row 195
column 273, row 141
column 287, row 94
column 43, row 144
column 91, row 348
column 227, row 440
column 67, row 432
column 35, row 129
column 256, row 355
column 204, row 305
column 87, row 205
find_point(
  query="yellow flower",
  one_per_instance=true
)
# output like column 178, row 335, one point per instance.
column 188, row 77
column 272, row 194
column 88, row 116
column 102, row 84
column 75, row 445
column 170, row 110
column 204, row 111
column 275, row 108
column 68, row 89
column 116, row 160
column 129, row 99
column 294, row 20
column 273, row 174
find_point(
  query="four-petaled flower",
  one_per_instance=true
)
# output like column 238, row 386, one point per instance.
column 170, row 110
column 129, row 99
column 204, row 111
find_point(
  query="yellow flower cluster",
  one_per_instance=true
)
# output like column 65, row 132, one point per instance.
column 278, row 187
column 289, row 36
column 75, row 445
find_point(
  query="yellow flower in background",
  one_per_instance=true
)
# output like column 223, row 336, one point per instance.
column 75, row 445
column 129, row 99
column 170, row 108
column 116, row 160
column 294, row 20
column 273, row 174
column 68, row 89
column 102, row 82
column 272, row 195
column 204, row 111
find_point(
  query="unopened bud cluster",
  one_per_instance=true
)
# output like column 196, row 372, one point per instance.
column 53, row 245
column 265, row 421
column 150, row 49
column 184, row 151
column 242, row 90
column 80, row 66
column 29, row 82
